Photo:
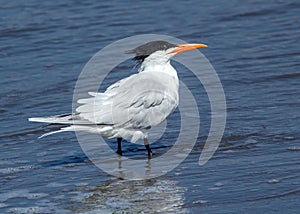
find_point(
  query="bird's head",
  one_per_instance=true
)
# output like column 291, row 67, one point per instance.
column 161, row 50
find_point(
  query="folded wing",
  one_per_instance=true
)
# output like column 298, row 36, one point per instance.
column 139, row 101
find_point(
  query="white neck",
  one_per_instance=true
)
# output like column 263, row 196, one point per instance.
column 158, row 62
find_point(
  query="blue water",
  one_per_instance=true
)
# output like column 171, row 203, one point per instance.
column 254, row 47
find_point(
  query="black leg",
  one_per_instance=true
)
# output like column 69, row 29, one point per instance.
column 119, row 151
column 148, row 148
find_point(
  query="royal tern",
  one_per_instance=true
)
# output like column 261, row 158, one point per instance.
column 131, row 106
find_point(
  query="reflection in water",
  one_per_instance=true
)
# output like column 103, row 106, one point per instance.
column 146, row 166
column 122, row 173
column 155, row 195
column 143, row 169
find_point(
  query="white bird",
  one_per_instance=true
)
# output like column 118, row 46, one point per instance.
column 131, row 106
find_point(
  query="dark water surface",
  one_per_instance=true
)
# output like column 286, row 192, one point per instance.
column 254, row 47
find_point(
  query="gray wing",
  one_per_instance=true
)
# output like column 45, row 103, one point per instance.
column 139, row 101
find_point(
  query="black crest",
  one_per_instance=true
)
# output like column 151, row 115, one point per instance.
column 147, row 49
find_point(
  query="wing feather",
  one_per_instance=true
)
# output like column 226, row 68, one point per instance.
column 139, row 101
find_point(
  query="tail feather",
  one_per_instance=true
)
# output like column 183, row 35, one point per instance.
column 67, row 119
column 65, row 129
column 62, row 119
column 105, row 131
column 77, row 123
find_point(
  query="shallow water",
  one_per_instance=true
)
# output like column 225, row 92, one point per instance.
column 253, row 47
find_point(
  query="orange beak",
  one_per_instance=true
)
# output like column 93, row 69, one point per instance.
column 187, row 47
